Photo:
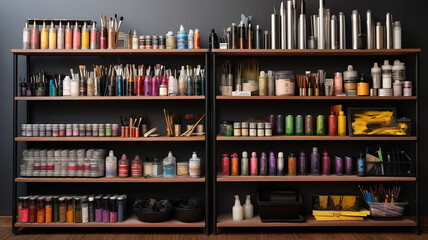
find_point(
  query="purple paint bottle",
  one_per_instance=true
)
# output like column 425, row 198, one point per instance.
column 263, row 165
column 113, row 209
column 349, row 164
column 147, row 84
column 98, row 209
column 155, row 85
column 272, row 164
column 315, row 162
column 338, row 165
column 302, row 163
column 106, row 209
column 272, row 122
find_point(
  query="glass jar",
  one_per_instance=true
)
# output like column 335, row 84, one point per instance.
column 75, row 130
column 82, row 130
column 48, row 130
column 55, row 130
column 35, row 130
column 88, row 130
column 260, row 129
column 69, row 130
column 42, row 130
column 253, row 129
column 268, row 129
column 284, row 83
column 147, row 166
column 244, row 129
column 95, row 130
column 108, row 130
column 182, row 168
column 237, row 129
column 62, row 130
column 101, row 130
column 156, row 167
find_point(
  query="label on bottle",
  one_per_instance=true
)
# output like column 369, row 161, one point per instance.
column 50, row 167
column 71, row 166
column 123, row 170
column 24, row 215
column 136, row 170
column 169, row 170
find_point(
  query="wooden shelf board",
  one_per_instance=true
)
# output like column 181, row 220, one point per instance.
column 180, row 179
column 314, row 98
column 112, row 52
column 132, row 221
column 314, row 52
column 225, row 220
column 110, row 139
column 104, row 98
column 310, row 178
column 317, row 138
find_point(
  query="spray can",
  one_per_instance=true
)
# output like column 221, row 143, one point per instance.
column 263, row 165
column 320, row 125
column 270, row 84
column 191, row 40
column 289, row 125
column 85, row 37
column 299, row 125
column 103, row 38
column 26, row 37
column 244, row 164
column 315, row 162
column 259, row 38
column 349, row 166
column 361, row 166
column 302, row 163
column 182, row 38
column 280, row 164
column 350, row 78
column 235, row 164
column 338, row 84
column 396, row 38
column 332, row 123
column 309, row 125
column 292, row 165
column 338, row 166
column 262, row 84
column 226, row 165
column 35, row 38
column 94, row 36
column 341, row 124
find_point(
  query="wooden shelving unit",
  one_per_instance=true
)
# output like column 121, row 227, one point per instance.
column 131, row 221
column 112, row 98
column 110, row 139
column 179, row 179
column 310, row 178
column 317, row 138
column 225, row 221
column 29, row 55
column 329, row 98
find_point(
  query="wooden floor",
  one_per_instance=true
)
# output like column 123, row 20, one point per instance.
column 236, row 234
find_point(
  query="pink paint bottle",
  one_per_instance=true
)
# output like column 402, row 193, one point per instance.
column 76, row 37
column 147, row 83
column 254, row 164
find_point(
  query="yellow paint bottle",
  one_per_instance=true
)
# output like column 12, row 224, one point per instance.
column 44, row 37
column 341, row 124
column 52, row 37
column 85, row 37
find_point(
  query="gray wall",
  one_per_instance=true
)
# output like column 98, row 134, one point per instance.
column 159, row 16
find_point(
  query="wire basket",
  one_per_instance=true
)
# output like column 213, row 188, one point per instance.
column 387, row 210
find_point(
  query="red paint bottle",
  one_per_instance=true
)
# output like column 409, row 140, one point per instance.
column 326, row 164
column 226, row 165
column 332, row 123
column 140, row 84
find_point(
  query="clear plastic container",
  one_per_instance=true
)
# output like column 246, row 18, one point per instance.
column 284, row 83
column 169, row 166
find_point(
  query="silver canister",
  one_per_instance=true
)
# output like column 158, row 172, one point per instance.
column 290, row 33
column 283, row 13
column 379, row 36
column 342, row 31
column 370, row 30
column 355, row 28
column 327, row 28
column 388, row 31
column 274, row 31
column 321, row 25
column 302, row 31
column 333, row 33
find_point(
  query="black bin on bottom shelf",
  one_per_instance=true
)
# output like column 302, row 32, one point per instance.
column 280, row 206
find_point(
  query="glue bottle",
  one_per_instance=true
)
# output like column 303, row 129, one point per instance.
column 182, row 38
column 244, row 164
column 191, row 39
column 172, row 86
column 386, row 75
column 169, row 166
column 60, row 37
column 111, row 165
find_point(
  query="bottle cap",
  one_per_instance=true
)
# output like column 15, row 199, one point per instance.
column 137, row 157
column 234, row 155
column 341, row 113
column 111, row 154
column 194, row 155
column 262, row 73
column 315, row 150
column 325, row 154
column 225, row 155
column 272, row 154
column 302, row 153
column 244, row 154
column 280, row 154
column 254, row 154
column 123, row 156
column 181, row 28
column 263, row 154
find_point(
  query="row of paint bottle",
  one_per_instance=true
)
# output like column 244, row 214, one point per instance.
column 296, row 165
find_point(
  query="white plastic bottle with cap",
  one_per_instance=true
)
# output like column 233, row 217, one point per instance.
column 135, row 40
column 169, row 166
column 194, row 166
column 74, row 85
column 376, row 76
column 111, row 165
column 280, row 164
column 350, row 81
column 237, row 210
column 182, row 38
column 248, row 208
column 386, row 75
column 398, row 71
column 262, row 84
column 66, row 86
column 190, row 39
column 245, row 171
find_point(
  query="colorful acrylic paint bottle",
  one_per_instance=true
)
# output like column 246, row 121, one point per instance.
column 94, row 36
column 235, row 164
column 226, row 165
column 272, row 164
column 263, row 165
column 147, row 83
column 197, row 39
column 52, row 37
column 244, row 164
column 361, row 166
column 341, row 124
column 320, row 125
column 302, row 163
column 338, row 166
column 190, row 39
column 136, row 167
column 76, row 37
column 35, row 37
column 254, row 164
column 44, row 37
column 315, row 162
column 292, row 165
column 189, row 82
column 332, row 123
column 280, row 164
column 326, row 164
column 60, row 37
column 299, row 125
column 26, row 37
column 68, row 37
column 123, row 166
column 85, row 37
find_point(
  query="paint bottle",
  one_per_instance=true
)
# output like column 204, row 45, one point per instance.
column 398, row 88
column 106, row 209
column 272, row 164
column 338, row 84
column 341, row 124
column 280, row 164
column 338, row 166
column 111, row 165
column 52, row 88
column 147, row 83
column 85, row 209
column 226, row 165
column 172, row 86
column 197, row 39
column 163, row 88
column 135, row 40
column 94, row 36
column 113, row 209
column 361, row 166
column 376, row 74
column 48, row 210
column 248, row 208
column 68, row 37
column 280, row 125
column 315, row 162
column 263, row 165
column 235, row 164
column 237, row 210
column 197, row 82
column 270, row 83
column 254, row 164
column 52, row 36
column 33, row 210
column 121, row 208
column 244, row 164
column 332, row 123
column 326, row 164
column 41, row 210
column 195, row 166
column 170, row 40
column 302, row 163
column 363, row 86
column 189, row 82
column 111, row 44
column 350, row 81
column 320, row 125
column 98, row 209
column 262, row 84
column 136, row 167
column 25, row 210
column 44, row 37
column 182, row 38
column 76, row 37
column 182, row 90
column 26, row 37
column 289, row 125
column 299, row 125
column 407, row 88
column 292, row 164
column 155, row 83
column 35, row 36
column 169, row 166
column 103, row 38
column 191, row 40
column 309, row 125
column 386, row 75
column 123, row 166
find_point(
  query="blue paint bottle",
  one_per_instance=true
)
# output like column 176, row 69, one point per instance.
column 52, row 88
column 361, row 166
column 182, row 38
